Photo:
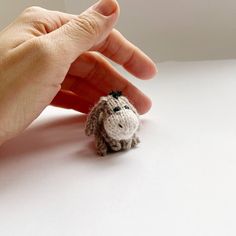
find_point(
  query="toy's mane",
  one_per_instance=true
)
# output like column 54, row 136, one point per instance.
column 116, row 94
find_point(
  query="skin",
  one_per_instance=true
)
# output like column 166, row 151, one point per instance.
column 54, row 58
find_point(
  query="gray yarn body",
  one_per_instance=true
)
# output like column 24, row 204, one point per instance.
column 113, row 122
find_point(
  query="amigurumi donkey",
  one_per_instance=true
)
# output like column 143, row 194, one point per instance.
column 114, row 122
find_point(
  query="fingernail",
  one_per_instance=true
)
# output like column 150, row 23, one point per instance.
column 105, row 7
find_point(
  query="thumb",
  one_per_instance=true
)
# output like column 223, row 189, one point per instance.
column 84, row 31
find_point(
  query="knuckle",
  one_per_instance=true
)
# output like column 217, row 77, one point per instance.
column 32, row 12
column 88, row 24
column 33, row 9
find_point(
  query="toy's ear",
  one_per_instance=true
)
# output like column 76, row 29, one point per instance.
column 93, row 117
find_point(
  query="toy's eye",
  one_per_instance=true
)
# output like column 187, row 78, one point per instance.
column 116, row 109
column 126, row 107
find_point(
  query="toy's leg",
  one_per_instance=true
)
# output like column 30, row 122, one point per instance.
column 115, row 145
column 100, row 145
column 127, row 144
column 135, row 141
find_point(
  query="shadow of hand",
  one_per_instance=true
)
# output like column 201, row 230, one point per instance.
column 51, row 134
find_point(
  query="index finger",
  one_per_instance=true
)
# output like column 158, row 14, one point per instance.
column 117, row 48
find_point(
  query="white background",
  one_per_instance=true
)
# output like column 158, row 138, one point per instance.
column 165, row 29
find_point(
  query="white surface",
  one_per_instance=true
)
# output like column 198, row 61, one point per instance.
column 179, row 181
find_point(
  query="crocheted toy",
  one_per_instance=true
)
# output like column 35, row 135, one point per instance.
column 114, row 122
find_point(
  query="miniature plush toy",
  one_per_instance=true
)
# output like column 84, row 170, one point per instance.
column 114, row 122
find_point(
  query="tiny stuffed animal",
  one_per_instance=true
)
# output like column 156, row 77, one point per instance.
column 114, row 122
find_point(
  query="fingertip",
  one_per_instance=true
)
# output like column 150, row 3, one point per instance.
column 145, row 106
column 141, row 66
column 150, row 72
column 106, row 7
column 141, row 102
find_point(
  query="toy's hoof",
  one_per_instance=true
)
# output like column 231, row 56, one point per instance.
column 135, row 142
column 126, row 145
column 116, row 148
column 102, row 153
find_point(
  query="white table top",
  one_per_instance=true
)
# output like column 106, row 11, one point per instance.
column 181, row 180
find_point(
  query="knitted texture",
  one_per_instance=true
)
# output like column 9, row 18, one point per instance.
column 114, row 122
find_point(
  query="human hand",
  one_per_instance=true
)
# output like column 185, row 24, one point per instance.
column 49, row 57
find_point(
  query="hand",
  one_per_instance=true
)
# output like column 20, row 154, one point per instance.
column 49, row 57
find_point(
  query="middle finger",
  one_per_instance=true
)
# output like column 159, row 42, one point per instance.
column 90, row 70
